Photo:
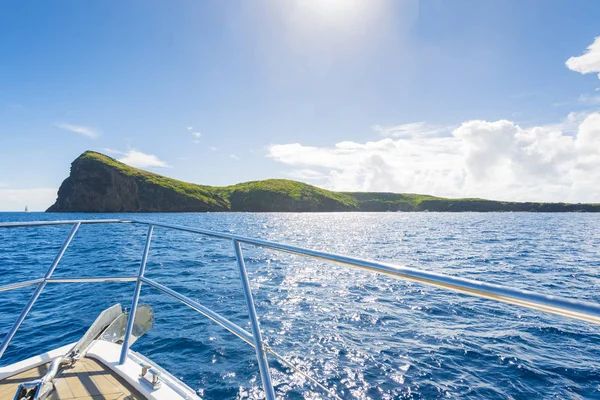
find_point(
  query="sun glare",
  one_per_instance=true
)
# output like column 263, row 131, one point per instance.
column 335, row 14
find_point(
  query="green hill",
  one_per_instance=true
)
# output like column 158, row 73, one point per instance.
column 99, row 183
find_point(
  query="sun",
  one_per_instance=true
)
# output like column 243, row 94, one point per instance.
column 332, row 14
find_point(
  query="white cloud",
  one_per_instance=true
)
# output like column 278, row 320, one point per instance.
column 138, row 159
column 189, row 128
column 307, row 174
column 589, row 61
column 36, row 199
column 113, row 151
column 197, row 136
column 212, row 148
column 587, row 99
column 413, row 129
column 233, row 156
column 498, row 160
column 82, row 130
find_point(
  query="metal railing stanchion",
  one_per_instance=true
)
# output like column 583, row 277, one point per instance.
column 263, row 364
column 136, row 297
column 13, row 330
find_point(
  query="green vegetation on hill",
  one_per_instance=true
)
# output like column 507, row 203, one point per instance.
column 102, row 184
column 204, row 193
column 284, row 195
column 378, row 201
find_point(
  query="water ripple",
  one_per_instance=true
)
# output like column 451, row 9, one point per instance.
column 364, row 336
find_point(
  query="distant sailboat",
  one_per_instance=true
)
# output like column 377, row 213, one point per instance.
column 26, row 208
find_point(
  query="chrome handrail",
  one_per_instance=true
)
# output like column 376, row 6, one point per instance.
column 136, row 297
column 263, row 364
column 584, row 311
column 39, row 289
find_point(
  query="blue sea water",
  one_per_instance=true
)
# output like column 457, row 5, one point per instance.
column 365, row 336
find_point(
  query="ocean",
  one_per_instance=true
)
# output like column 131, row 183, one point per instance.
column 365, row 336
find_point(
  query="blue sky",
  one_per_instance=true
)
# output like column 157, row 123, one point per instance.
column 449, row 98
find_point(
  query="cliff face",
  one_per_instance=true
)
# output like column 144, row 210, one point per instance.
column 99, row 183
column 96, row 185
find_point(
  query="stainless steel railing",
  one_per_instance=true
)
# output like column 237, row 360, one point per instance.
column 556, row 305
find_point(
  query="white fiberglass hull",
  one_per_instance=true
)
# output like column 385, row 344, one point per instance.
column 107, row 354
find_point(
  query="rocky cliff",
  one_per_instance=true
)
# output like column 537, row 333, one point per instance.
column 99, row 183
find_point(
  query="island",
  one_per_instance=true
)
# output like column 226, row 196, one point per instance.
column 99, row 183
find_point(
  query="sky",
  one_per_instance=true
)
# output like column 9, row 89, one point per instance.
column 497, row 99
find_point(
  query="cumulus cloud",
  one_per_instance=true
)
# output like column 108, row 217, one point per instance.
column 138, row 159
column 588, row 62
column 493, row 159
column 234, row 157
column 383, row 165
column 80, row 129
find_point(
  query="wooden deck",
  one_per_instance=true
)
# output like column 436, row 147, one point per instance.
column 87, row 379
